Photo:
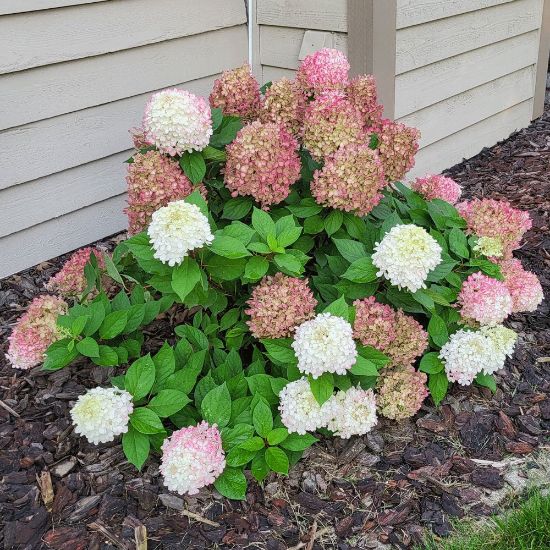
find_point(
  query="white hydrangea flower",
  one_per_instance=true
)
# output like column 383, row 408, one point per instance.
column 177, row 121
column 405, row 256
column 300, row 411
column 176, row 229
column 489, row 246
column 102, row 413
column 504, row 341
column 354, row 412
column 324, row 344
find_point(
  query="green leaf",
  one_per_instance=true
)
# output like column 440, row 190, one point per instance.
column 238, row 456
column 256, row 268
column 295, row 442
column 364, row 367
column 225, row 269
column 136, row 313
column 486, row 380
column 136, row 447
column 59, row 356
column 217, row 117
column 108, row 357
column 184, row 379
column 262, row 419
column 263, row 224
column 113, row 324
column 322, row 387
column 333, row 222
column 274, row 437
column 211, row 153
column 255, row 443
column 168, row 402
column 350, row 250
column 232, row 437
column 78, row 324
column 305, row 209
column 226, row 132
column 140, row 377
column 431, row 363
column 288, row 264
column 373, row 355
column 229, row 247
column 314, row 225
column 280, row 350
column 437, row 329
column 96, row 314
column 438, row 385
column 185, row 277
column 216, row 406
column 237, row 208
column 112, row 270
column 193, row 166
column 232, row 484
column 458, row 243
column 489, row 268
column 441, row 271
column 88, row 347
column 198, row 200
column 146, row 421
column 277, row 460
column 361, row 271
column 259, row 467
column 339, row 308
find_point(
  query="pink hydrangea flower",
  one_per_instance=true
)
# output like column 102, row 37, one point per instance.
column 70, row 279
column 398, row 144
column 401, row 392
column 361, row 92
column 484, row 299
column 138, row 138
column 350, row 180
column 237, row 93
column 35, row 331
column 284, row 103
column 524, row 286
column 192, row 458
column 153, row 181
column 278, row 305
column 410, row 342
column 326, row 69
column 496, row 219
column 437, row 187
column 262, row 162
column 330, row 122
column 374, row 323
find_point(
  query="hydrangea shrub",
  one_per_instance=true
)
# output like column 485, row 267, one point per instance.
column 319, row 292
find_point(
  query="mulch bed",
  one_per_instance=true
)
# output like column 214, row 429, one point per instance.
column 57, row 491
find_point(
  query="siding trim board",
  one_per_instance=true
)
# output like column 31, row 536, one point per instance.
column 542, row 62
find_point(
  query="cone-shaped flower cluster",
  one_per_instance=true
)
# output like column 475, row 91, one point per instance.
column 326, row 69
column 284, row 103
column 361, row 92
column 192, row 458
column 177, row 121
column 237, row 93
column 278, row 305
column 524, row 286
column 411, row 340
column 401, row 392
column 35, row 331
column 497, row 219
column 262, row 162
column 437, row 187
column 350, row 180
column 353, row 412
column 491, row 247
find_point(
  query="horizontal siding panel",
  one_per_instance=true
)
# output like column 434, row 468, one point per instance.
column 270, row 74
column 427, row 85
column 471, row 140
column 20, row 6
column 46, row 198
column 324, row 15
column 414, row 12
column 280, row 46
column 48, row 146
column 52, row 36
column 54, row 237
column 458, row 112
column 424, row 44
column 32, row 95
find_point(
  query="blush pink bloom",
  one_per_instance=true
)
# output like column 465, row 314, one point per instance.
column 70, row 279
column 374, row 323
column 397, row 146
column 138, row 138
column 361, row 93
column 437, row 187
column 331, row 122
column 326, row 69
column 401, row 392
column 192, row 458
column 284, row 103
column 262, row 162
column 35, row 331
column 278, row 305
column 237, row 93
column 410, row 342
column 484, row 300
column 524, row 286
column 496, row 219
column 350, row 180
column 153, row 181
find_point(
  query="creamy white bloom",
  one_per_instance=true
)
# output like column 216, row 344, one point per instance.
column 177, row 121
column 176, row 229
column 405, row 256
column 300, row 411
column 503, row 341
column 324, row 344
column 354, row 412
column 102, row 413
column 489, row 246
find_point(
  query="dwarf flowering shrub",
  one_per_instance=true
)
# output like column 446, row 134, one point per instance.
column 318, row 292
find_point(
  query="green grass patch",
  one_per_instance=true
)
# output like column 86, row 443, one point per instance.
column 524, row 527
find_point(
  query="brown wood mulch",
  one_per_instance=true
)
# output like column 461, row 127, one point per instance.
column 57, row 491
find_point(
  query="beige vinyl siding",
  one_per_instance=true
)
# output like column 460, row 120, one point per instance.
column 74, row 77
